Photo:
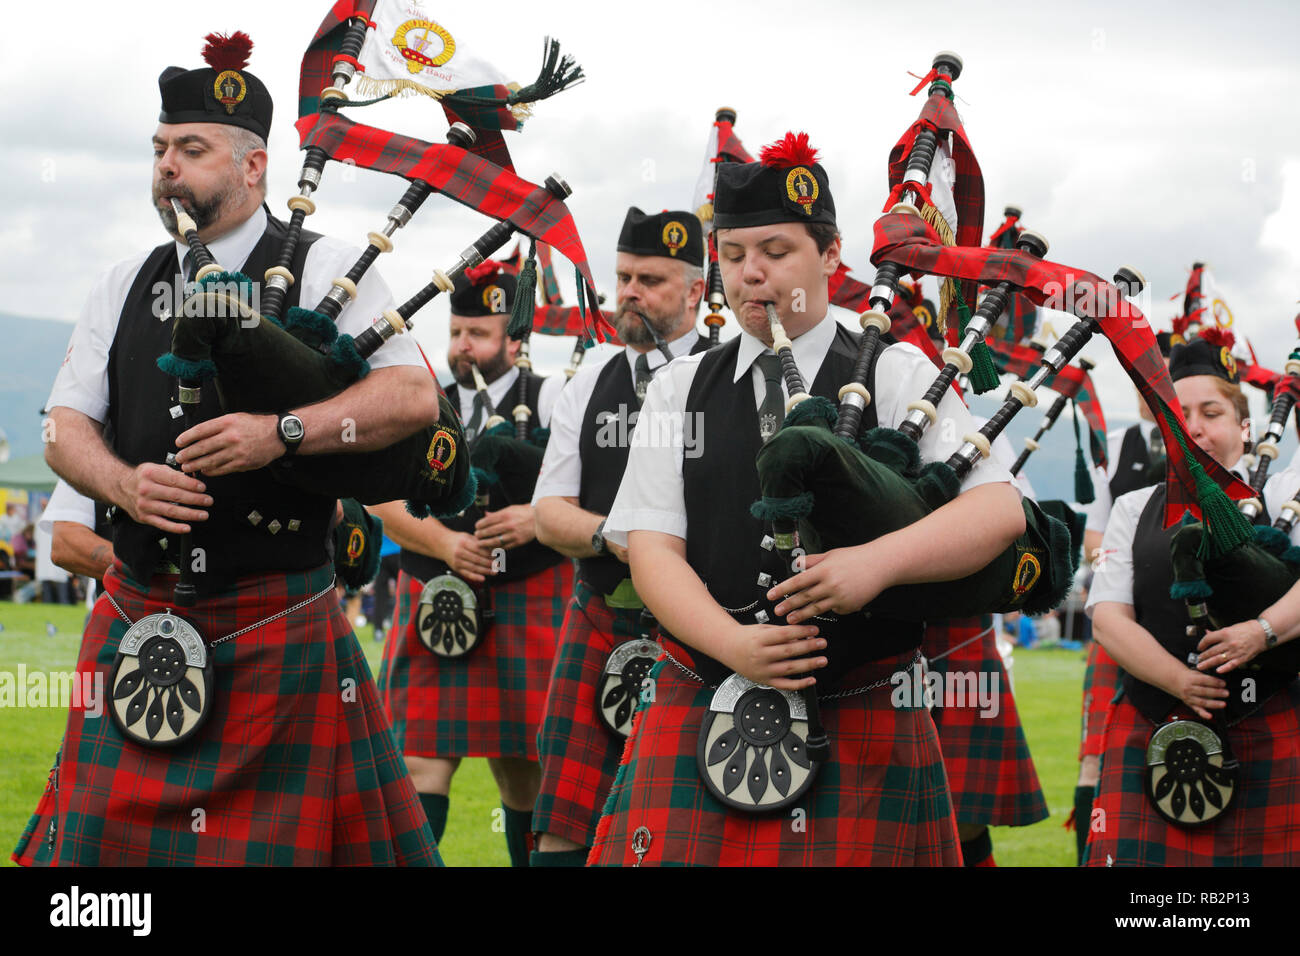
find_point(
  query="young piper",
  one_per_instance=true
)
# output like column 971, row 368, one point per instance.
column 489, row 702
column 1144, row 629
column 882, row 797
column 660, row 284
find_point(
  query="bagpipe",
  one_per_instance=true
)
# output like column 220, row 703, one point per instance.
column 824, row 486
column 723, row 147
column 1221, row 587
column 452, row 616
column 1191, row 773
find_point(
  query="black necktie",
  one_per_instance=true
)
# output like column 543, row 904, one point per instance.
column 643, row 376
column 187, row 267
column 476, row 419
column 772, row 412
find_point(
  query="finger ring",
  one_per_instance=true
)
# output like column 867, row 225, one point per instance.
column 501, row 539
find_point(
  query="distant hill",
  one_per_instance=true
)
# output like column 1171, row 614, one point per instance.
column 30, row 355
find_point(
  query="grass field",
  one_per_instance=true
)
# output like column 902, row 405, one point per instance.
column 1048, row 687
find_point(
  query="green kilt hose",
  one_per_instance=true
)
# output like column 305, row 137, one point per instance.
column 488, row 703
column 990, row 772
column 882, row 800
column 579, row 753
column 1261, row 828
column 1100, row 681
column 295, row 765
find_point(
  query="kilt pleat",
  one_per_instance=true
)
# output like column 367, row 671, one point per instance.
column 882, row 800
column 990, row 771
column 1100, row 681
column 488, row 703
column 295, row 766
column 1261, row 828
column 578, row 752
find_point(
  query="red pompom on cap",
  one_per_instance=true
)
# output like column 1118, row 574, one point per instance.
column 487, row 269
column 793, row 150
column 1216, row 335
column 227, row 52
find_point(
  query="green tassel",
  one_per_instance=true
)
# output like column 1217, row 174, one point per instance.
column 501, row 430
column 521, row 314
column 539, row 436
column 1083, row 490
column 1226, row 527
column 983, row 375
column 938, row 484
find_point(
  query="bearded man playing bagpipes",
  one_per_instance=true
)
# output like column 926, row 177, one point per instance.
column 257, row 737
column 696, row 550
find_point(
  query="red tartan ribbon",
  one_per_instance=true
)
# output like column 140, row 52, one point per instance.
column 549, row 286
column 1290, row 385
column 1264, row 378
column 469, row 179
column 1072, row 381
column 939, row 114
column 928, row 78
column 730, row 148
column 896, row 194
column 1000, row 231
column 912, row 243
column 848, row 293
column 566, row 320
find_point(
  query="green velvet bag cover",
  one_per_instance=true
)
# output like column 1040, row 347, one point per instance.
column 841, row 496
column 358, row 539
column 263, row 368
column 1239, row 585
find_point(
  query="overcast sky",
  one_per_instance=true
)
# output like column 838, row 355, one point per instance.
column 1151, row 134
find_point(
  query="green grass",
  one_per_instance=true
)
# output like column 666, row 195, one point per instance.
column 1048, row 686
column 1048, row 689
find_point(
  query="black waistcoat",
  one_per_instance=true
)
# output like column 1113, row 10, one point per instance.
column 1166, row 619
column 141, row 429
column 610, row 414
column 722, row 542
column 1133, row 469
column 519, row 562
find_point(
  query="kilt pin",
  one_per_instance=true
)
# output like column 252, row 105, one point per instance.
column 882, row 800
column 1100, row 681
column 488, row 703
column 1261, row 828
column 296, row 764
column 990, row 772
column 579, row 753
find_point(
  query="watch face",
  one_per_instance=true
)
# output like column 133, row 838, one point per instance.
column 291, row 428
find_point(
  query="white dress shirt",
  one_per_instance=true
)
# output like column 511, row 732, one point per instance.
column 651, row 496
column 561, row 474
column 82, row 381
column 1099, row 511
column 67, row 504
column 1113, row 577
column 502, row 394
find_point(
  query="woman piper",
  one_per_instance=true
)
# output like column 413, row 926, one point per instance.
column 1145, row 630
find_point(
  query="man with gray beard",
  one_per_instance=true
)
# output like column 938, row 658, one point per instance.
column 277, row 769
column 660, row 285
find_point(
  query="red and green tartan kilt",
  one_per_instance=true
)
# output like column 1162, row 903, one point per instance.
column 489, row 702
column 579, row 753
column 1100, row 681
column 881, row 801
column 296, row 764
column 990, row 771
column 1262, row 828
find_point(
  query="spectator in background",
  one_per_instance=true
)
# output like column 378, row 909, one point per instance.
column 53, row 580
